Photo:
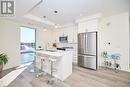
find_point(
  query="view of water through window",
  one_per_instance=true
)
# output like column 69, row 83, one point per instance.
column 27, row 44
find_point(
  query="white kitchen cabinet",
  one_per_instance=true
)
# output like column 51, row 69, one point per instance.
column 88, row 26
column 62, row 63
column 82, row 27
column 92, row 25
column 74, row 50
column 75, row 59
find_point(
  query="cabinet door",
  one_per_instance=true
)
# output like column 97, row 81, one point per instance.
column 92, row 25
column 82, row 27
column 88, row 26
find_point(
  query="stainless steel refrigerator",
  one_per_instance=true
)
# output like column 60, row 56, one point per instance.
column 87, row 50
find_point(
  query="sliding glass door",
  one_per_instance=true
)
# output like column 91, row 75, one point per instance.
column 28, row 44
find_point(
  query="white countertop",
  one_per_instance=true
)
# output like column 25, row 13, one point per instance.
column 56, row 53
column 63, row 64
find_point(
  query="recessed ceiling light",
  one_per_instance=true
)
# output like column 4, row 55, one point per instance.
column 55, row 11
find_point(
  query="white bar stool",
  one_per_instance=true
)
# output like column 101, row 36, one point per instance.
column 52, row 79
column 42, row 61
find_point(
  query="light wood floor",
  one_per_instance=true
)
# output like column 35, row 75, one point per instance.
column 80, row 78
column 5, row 72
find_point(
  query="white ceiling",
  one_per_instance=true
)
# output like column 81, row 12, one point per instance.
column 70, row 10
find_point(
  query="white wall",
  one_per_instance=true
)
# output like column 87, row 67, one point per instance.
column 10, row 42
column 117, row 33
column 43, row 37
column 115, row 29
column 70, row 31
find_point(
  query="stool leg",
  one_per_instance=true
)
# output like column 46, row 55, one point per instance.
column 51, row 69
column 41, row 64
column 51, row 80
column 39, row 71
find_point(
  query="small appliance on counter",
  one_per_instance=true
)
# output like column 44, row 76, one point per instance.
column 39, row 48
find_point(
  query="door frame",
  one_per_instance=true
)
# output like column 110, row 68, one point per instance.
column 35, row 35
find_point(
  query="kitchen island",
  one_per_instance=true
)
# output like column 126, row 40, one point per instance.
column 63, row 63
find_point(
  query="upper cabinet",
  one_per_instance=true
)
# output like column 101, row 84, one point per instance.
column 88, row 26
column 92, row 25
column 69, row 31
column 82, row 27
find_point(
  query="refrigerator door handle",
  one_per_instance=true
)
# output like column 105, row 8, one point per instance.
column 85, row 43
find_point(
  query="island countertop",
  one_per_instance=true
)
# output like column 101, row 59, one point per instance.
column 63, row 63
column 53, row 53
